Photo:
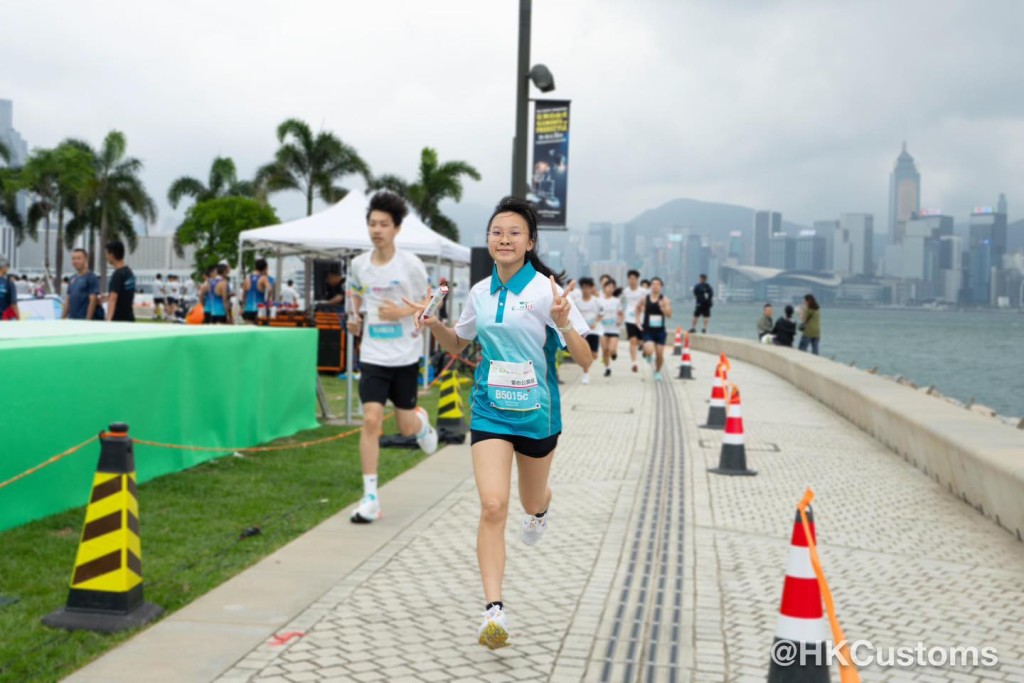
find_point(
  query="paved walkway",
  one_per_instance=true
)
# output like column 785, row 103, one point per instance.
column 652, row 569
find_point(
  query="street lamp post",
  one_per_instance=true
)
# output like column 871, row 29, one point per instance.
column 541, row 77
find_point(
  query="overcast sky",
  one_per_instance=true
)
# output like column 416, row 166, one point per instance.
column 795, row 106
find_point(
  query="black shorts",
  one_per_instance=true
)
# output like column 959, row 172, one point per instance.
column 158, row 302
column 172, row 301
column 657, row 335
column 531, row 448
column 250, row 315
column 378, row 383
column 215, row 319
column 611, row 334
column 594, row 341
column 702, row 311
column 633, row 331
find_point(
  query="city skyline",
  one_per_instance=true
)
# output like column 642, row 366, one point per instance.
column 750, row 119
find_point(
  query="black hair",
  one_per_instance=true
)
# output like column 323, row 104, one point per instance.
column 660, row 281
column 605, row 276
column 223, row 268
column 631, row 273
column 586, row 282
column 523, row 208
column 789, row 311
column 703, row 276
column 84, row 252
column 291, row 282
column 645, row 283
column 261, row 265
column 116, row 249
column 768, row 305
column 391, row 204
column 617, row 291
column 211, row 270
column 159, row 276
column 812, row 303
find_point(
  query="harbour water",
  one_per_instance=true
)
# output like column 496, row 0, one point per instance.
column 964, row 354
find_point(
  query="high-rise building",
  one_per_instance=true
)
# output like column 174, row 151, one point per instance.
column 736, row 247
column 781, row 251
column 827, row 229
column 599, row 242
column 1001, row 205
column 985, row 251
column 698, row 257
column 859, row 230
column 904, row 195
column 18, row 149
column 766, row 224
column 809, row 249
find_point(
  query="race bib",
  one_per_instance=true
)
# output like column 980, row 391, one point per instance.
column 513, row 386
column 655, row 322
column 385, row 331
column 610, row 323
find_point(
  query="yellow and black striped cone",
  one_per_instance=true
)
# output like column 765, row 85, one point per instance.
column 451, row 422
column 106, row 584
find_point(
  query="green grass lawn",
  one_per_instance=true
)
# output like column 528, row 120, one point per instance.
column 191, row 523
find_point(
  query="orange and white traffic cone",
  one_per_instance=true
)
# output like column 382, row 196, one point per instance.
column 686, row 365
column 677, row 347
column 733, row 458
column 716, row 408
column 800, row 651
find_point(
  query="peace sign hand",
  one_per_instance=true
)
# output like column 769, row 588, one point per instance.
column 560, row 304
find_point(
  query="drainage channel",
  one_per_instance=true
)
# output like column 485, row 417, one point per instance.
column 649, row 592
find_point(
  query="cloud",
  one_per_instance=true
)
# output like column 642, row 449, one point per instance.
column 797, row 106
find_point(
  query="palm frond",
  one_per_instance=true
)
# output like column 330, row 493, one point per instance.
column 186, row 186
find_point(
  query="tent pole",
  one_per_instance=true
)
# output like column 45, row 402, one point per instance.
column 278, row 272
column 349, row 344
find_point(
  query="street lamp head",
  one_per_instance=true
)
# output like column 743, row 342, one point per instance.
column 542, row 78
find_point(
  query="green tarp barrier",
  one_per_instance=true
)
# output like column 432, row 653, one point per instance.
column 216, row 386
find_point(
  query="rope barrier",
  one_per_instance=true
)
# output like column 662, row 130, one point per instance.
column 177, row 447
column 56, row 458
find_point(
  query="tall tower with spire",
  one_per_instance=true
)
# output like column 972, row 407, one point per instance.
column 904, row 195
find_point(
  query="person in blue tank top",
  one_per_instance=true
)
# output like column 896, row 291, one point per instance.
column 217, row 298
column 521, row 318
column 258, row 290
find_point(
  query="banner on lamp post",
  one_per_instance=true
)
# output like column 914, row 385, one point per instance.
column 549, row 179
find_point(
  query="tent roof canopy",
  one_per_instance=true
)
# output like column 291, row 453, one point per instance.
column 341, row 229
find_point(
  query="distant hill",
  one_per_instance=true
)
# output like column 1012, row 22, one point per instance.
column 705, row 218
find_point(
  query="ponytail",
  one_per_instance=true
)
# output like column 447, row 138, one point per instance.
column 525, row 209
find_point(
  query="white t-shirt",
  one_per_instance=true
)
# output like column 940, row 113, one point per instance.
column 591, row 312
column 610, row 309
column 159, row 289
column 631, row 298
column 289, row 296
column 388, row 342
column 173, row 290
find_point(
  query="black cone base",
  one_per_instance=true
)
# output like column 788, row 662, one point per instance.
column 808, row 672
column 103, row 622
column 398, row 441
column 716, row 418
column 685, row 372
column 733, row 461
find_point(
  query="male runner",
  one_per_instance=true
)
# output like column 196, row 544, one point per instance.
column 631, row 298
column 589, row 307
column 391, row 348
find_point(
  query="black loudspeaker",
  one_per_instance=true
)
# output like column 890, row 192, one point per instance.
column 480, row 265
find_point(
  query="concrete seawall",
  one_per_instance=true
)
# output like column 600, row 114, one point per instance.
column 977, row 459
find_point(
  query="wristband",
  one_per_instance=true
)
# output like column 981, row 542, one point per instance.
column 567, row 329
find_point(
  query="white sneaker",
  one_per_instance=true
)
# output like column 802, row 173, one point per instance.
column 427, row 442
column 368, row 510
column 586, row 378
column 494, row 631
column 534, row 528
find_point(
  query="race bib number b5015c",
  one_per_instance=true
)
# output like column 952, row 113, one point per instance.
column 513, row 386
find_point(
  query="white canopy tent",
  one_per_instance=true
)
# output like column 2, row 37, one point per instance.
column 340, row 232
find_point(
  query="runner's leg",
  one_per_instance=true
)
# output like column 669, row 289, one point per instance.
column 659, row 349
column 492, row 469
column 534, row 493
column 369, row 437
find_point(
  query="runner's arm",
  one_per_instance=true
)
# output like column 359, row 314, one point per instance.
column 111, row 305
column 94, row 301
column 666, row 307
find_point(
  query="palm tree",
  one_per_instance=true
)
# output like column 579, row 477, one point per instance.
column 222, row 182
column 437, row 181
column 5, row 154
column 311, row 164
column 8, row 195
column 119, row 193
column 39, row 178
